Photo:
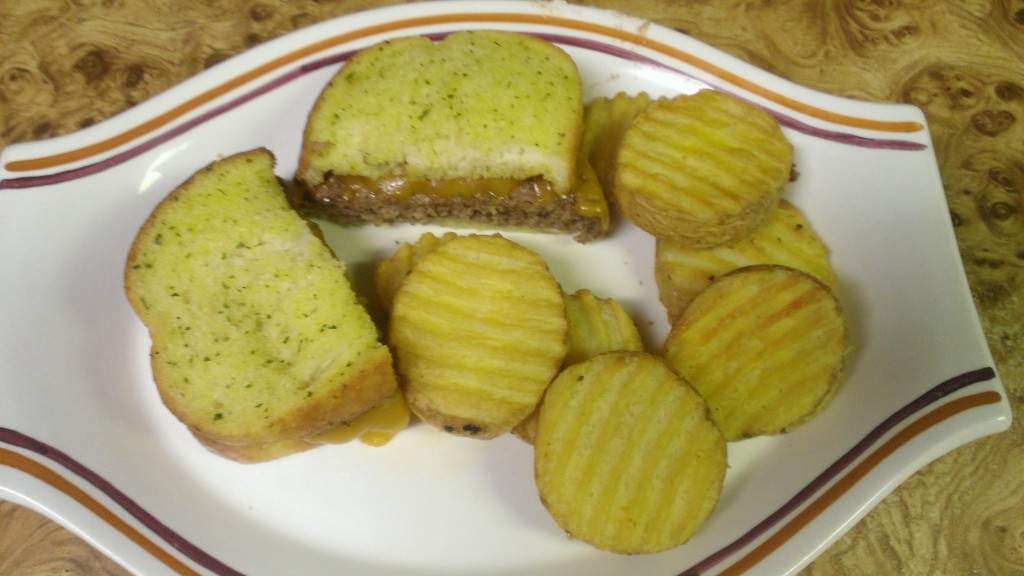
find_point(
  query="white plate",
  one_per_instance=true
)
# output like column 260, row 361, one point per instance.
column 84, row 438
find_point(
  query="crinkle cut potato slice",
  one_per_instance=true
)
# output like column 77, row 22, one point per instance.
column 596, row 325
column 787, row 238
column 703, row 170
column 479, row 330
column 626, row 456
column 765, row 346
column 389, row 273
column 604, row 123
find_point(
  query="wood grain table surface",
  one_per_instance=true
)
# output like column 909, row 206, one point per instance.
column 66, row 64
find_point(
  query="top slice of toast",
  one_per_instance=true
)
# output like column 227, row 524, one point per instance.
column 476, row 105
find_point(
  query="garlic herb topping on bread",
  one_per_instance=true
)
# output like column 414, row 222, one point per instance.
column 258, row 339
column 482, row 127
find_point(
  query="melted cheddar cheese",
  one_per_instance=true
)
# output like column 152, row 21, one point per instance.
column 376, row 427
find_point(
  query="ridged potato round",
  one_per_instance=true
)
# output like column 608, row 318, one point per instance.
column 702, row 170
column 389, row 273
column 478, row 330
column 765, row 346
column 787, row 238
column 626, row 457
column 604, row 123
column 596, row 325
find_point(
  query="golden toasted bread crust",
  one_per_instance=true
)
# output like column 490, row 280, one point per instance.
column 253, row 453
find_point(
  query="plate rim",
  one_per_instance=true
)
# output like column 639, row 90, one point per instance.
column 945, row 401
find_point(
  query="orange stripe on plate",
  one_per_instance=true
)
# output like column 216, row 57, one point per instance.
column 41, row 472
column 802, row 107
column 829, row 497
column 639, row 39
